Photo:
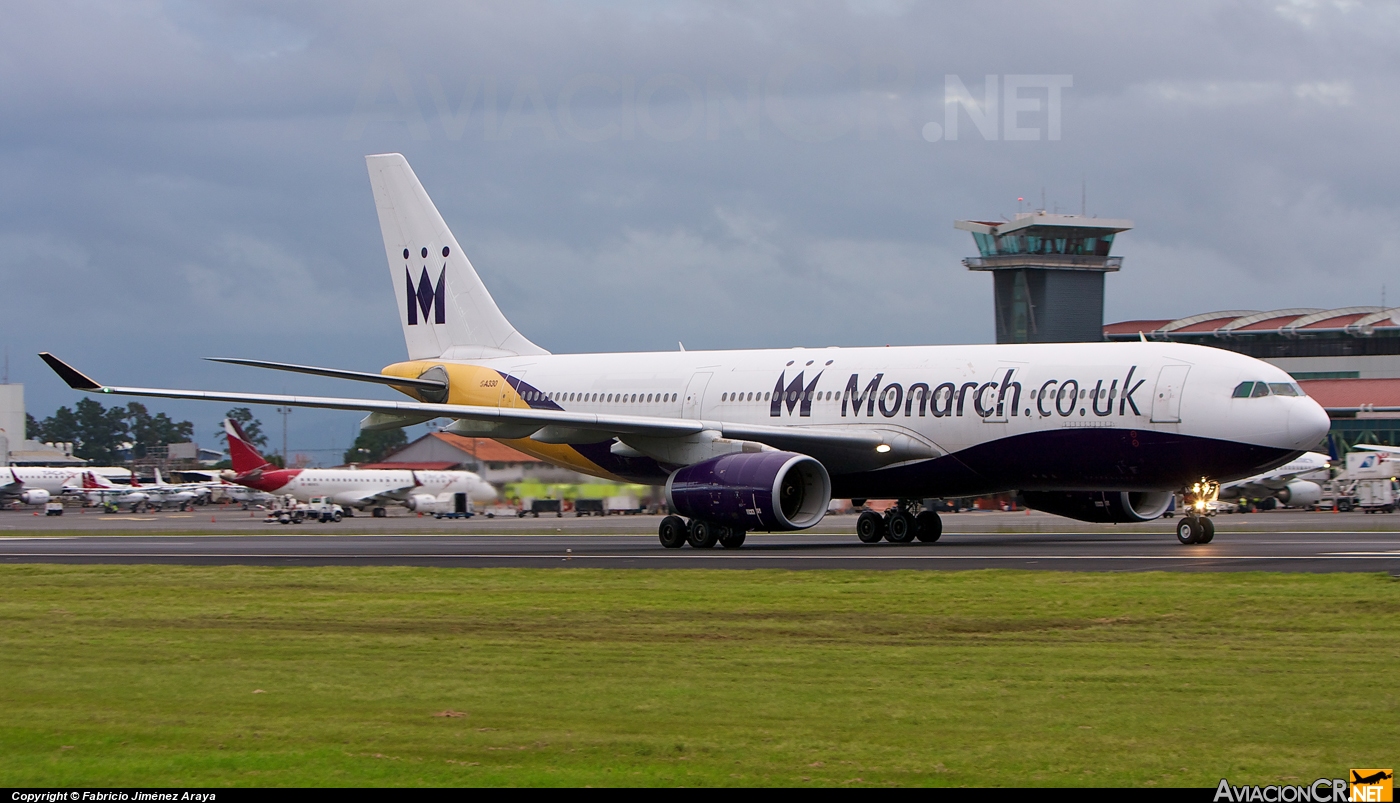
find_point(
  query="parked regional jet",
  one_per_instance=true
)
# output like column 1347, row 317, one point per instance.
column 36, row 485
column 1285, row 483
column 763, row 439
column 425, row 491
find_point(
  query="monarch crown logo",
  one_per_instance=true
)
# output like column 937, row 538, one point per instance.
column 426, row 298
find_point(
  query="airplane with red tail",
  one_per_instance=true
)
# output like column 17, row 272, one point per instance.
column 373, row 489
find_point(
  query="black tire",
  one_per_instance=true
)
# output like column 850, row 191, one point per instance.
column 379, row 513
column 899, row 527
column 1207, row 531
column 1188, row 530
column 672, row 532
column 928, row 526
column 870, row 527
column 704, row 534
column 337, row 516
column 1344, row 505
column 733, row 538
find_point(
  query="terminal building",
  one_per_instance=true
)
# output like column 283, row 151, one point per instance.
column 1345, row 358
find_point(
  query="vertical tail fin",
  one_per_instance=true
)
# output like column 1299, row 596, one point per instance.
column 93, row 481
column 244, row 456
column 444, row 308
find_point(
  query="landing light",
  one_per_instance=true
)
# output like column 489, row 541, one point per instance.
column 882, row 448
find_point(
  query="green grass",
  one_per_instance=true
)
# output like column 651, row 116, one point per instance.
column 145, row 675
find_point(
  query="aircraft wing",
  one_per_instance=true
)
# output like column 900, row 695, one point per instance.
column 651, row 426
column 1378, row 448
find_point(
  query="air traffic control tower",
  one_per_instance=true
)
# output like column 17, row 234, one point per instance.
column 1047, row 273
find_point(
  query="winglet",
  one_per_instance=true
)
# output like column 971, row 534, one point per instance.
column 76, row 379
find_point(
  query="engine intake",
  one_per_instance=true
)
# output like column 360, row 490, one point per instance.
column 753, row 490
column 1101, row 506
column 35, row 496
column 1300, row 493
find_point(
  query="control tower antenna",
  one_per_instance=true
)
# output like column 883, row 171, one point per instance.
column 1047, row 274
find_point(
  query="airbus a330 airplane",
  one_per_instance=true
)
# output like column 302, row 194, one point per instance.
column 763, row 439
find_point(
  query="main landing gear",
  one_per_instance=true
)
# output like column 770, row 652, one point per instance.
column 675, row 532
column 901, row 524
column 1195, row 526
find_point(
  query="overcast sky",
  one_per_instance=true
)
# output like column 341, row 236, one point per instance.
column 181, row 180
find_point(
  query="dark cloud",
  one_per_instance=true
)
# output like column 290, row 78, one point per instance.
column 179, row 180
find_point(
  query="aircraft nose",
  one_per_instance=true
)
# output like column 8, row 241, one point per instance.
column 1308, row 423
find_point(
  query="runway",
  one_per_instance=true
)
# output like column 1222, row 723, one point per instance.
column 1295, row 551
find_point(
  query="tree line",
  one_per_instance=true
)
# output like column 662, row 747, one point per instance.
column 98, row 433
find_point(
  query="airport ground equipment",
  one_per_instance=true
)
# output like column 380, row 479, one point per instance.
column 534, row 507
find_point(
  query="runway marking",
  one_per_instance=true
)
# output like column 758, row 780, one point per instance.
column 371, row 534
column 687, row 556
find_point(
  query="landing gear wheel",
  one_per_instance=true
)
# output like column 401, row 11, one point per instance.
column 1207, row 531
column 704, row 534
column 672, row 532
column 1188, row 530
column 870, row 528
column 379, row 513
column 733, row 539
column 928, row 526
column 899, row 527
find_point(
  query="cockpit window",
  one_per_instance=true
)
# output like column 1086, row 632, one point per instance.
column 1253, row 390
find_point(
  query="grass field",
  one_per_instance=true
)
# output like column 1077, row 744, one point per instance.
column 145, row 675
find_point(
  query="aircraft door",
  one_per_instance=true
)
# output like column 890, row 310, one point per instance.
column 695, row 395
column 1166, row 400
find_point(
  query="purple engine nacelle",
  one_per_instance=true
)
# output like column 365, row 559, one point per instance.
column 753, row 490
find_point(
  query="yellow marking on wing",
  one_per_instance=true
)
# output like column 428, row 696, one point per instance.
column 561, row 455
column 486, row 387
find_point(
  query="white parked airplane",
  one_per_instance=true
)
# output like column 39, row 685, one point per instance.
column 425, row 491
column 36, row 485
column 763, row 439
column 1284, row 483
column 101, row 490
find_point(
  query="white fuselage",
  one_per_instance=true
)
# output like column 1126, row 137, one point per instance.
column 1100, row 415
column 365, row 487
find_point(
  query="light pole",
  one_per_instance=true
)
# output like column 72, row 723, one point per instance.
column 285, row 411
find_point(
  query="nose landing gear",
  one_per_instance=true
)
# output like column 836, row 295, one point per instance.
column 1196, row 526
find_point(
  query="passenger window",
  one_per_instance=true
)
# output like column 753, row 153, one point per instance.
column 1282, row 388
column 1260, row 389
column 1242, row 390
